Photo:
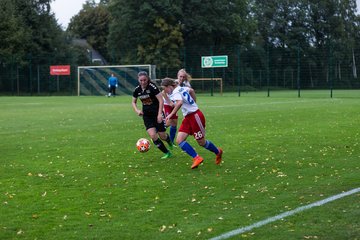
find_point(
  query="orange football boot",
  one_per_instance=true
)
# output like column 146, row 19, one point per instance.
column 218, row 156
column 197, row 161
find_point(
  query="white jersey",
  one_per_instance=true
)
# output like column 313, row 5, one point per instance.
column 185, row 84
column 182, row 93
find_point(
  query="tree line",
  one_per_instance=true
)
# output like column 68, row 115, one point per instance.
column 156, row 32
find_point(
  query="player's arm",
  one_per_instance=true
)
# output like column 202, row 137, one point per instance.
column 192, row 93
column 161, row 106
column 178, row 104
column 134, row 105
column 166, row 97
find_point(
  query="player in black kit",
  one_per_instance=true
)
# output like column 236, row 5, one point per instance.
column 152, row 107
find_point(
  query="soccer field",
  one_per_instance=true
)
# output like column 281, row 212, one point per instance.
column 69, row 169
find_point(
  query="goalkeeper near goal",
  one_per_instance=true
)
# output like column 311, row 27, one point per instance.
column 113, row 83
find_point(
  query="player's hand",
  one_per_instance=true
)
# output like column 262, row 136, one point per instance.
column 139, row 112
column 116, row 85
column 160, row 118
column 168, row 117
column 109, row 85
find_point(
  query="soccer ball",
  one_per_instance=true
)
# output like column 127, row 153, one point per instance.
column 143, row 145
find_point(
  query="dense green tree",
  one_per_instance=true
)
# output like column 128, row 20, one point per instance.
column 29, row 31
column 312, row 28
column 155, row 31
column 92, row 24
column 40, row 24
column 333, row 26
column 164, row 45
column 12, row 33
column 145, row 32
column 215, row 23
column 29, row 36
column 281, row 23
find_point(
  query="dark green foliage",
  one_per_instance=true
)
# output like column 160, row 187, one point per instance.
column 92, row 24
column 146, row 32
column 29, row 31
column 216, row 22
column 13, row 33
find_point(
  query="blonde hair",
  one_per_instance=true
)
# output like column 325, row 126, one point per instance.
column 188, row 76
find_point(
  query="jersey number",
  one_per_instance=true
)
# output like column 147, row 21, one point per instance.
column 188, row 97
column 198, row 135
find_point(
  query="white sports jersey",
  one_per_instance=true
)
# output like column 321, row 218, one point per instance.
column 186, row 84
column 182, row 93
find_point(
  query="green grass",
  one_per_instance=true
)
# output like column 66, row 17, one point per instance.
column 69, row 169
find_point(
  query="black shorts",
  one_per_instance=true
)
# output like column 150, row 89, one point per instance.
column 150, row 121
column 112, row 88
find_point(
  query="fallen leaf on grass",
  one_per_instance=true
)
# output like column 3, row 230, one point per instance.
column 162, row 228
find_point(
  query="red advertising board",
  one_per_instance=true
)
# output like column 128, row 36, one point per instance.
column 60, row 70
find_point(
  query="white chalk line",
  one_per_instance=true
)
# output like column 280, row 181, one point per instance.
column 269, row 103
column 284, row 215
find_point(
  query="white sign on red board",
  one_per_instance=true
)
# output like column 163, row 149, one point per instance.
column 60, row 70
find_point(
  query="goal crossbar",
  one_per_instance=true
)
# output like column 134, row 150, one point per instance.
column 211, row 79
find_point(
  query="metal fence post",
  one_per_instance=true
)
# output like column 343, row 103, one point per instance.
column 298, row 69
column 238, row 67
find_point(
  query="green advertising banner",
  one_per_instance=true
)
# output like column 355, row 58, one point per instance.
column 214, row 61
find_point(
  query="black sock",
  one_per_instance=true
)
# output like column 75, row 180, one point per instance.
column 160, row 145
column 168, row 140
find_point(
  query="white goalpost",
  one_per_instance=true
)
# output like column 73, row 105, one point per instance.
column 93, row 80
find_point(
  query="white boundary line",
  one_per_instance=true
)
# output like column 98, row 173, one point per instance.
column 268, row 103
column 285, row 214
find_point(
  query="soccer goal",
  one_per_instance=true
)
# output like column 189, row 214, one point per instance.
column 207, row 84
column 93, row 80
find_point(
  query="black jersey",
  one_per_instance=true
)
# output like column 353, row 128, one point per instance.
column 148, row 98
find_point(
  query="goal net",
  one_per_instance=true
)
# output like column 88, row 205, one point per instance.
column 93, row 80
